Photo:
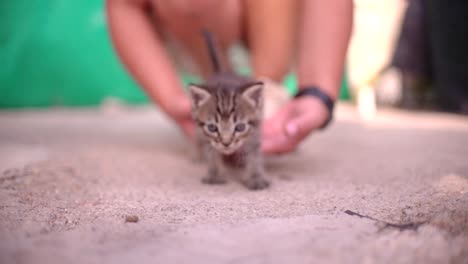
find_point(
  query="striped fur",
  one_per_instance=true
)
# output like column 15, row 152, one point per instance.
column 228, row 110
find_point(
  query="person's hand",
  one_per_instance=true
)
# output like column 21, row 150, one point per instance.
column 180, row 110
column 293, row 122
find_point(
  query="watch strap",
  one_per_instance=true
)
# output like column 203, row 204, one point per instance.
column 322, row 96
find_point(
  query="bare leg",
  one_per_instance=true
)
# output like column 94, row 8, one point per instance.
column 271, row 27
column 183, row 19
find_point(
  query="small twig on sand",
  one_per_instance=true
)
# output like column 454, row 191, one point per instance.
column 400, row 227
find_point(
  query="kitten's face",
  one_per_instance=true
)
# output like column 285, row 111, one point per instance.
column 228, row 116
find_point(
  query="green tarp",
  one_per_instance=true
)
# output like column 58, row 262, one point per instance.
column 58, row 53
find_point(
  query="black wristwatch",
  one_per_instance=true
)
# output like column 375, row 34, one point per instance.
column 323, row 97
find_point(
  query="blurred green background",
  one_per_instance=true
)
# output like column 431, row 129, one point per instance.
column 58, row 53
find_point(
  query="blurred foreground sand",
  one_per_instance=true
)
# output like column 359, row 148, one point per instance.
column 71, row 177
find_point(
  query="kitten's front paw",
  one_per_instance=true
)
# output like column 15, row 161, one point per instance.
column 257, row 183
column 213, row 180
column 197, row 159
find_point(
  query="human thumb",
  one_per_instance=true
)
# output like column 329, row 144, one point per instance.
column 291, row 128
column 299, row 126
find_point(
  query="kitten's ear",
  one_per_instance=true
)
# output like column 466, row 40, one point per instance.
column 253, row 93
column 199, row 95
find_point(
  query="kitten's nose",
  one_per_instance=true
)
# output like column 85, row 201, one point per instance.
column 226, row 140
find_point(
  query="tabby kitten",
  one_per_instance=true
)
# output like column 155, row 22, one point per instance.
column 228, row 110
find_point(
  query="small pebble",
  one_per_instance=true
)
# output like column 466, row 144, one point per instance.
column 131, row 219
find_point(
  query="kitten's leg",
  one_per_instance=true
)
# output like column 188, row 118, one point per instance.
column 199, row 149
column 254, row 176
column 215, row 172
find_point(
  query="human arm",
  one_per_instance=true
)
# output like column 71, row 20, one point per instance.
column 323, row 41
column 144, row 56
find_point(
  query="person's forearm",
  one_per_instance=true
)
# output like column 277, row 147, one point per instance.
column 141, row 51
column 324, row 36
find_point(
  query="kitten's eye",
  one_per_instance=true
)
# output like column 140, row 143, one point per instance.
column 212, row 128
column 240, row 127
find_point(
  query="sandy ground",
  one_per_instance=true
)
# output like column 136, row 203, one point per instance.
column 69, row 178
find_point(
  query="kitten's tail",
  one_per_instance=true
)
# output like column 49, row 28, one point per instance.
column 213, row 51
